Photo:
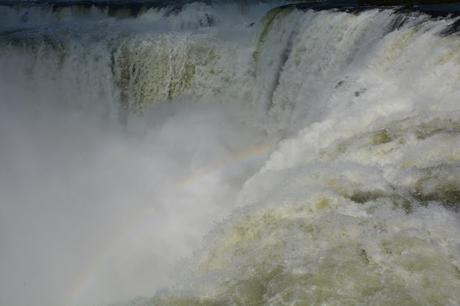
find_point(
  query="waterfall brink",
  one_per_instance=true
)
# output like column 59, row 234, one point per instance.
column 293, row 155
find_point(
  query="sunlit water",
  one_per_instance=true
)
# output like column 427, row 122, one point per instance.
column 228, row 155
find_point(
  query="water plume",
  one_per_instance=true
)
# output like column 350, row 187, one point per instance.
column 205, row 154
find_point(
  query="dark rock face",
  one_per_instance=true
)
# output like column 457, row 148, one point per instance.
column 132, row 8
column 119, row 8
column 404, row 2
column 434, row 8
column 113, row 8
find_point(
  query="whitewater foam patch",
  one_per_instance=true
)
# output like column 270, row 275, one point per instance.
column 319, row 151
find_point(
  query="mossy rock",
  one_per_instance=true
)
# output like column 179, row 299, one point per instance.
column 267, row 23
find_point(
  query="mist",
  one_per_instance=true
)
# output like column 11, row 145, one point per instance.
column 94, row 212
column 210, row 154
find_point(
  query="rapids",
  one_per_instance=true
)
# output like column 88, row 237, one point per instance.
column 228, row 154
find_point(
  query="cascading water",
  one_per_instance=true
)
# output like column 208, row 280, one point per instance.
column 214, row 154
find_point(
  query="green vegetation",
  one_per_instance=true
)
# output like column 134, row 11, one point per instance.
column 267, row 24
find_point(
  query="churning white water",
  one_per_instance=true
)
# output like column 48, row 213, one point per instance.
column 228, row 155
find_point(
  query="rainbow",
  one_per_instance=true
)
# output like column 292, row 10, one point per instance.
column 87, row 276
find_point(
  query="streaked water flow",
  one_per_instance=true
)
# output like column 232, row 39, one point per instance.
column 220, row 154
